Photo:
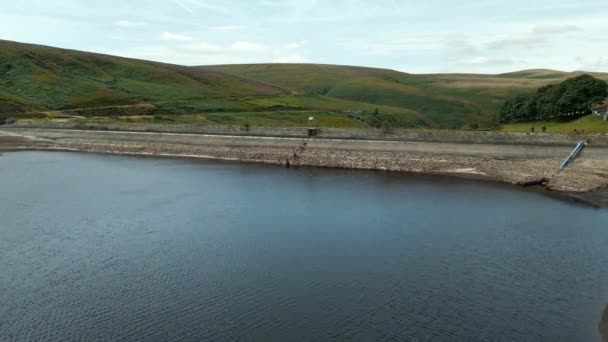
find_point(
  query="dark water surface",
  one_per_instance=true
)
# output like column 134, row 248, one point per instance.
column 115, row 248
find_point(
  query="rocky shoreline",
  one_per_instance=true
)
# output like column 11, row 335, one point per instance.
column 584, row 181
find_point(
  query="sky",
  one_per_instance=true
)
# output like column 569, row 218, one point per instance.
column 429, row 36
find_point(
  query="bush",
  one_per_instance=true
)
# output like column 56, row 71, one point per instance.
column 387, row 127
column 246, row 127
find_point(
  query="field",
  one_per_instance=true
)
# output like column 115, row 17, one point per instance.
column 586, row 124
column 38, row 82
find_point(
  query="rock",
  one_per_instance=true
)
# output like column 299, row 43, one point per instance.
column 603, row 326
column 531, row 182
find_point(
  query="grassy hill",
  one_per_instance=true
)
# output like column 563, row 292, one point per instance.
column 38, row 77
column 59, row 82
column 449, row 100
column 46, row 82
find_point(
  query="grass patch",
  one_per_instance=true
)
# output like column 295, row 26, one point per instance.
column 585, row 124
column 284, row 119
column 266, row 119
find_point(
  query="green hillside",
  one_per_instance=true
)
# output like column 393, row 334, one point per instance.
column 58, row 82
column 450, row 100
column 50, row 83
column 37, row 77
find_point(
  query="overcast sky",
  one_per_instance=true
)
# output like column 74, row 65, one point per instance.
column 425, row 36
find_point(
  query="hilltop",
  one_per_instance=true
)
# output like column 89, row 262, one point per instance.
column 47, row 82
column 450, row 100
column 39, row 77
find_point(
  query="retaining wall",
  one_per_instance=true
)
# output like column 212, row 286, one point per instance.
column 453, row 136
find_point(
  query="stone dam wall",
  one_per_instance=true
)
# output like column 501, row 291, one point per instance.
column 415, row 135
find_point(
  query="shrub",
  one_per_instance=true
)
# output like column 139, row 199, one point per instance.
column 246, row 127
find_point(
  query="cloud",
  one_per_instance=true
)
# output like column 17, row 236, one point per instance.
column 127, row 23
column 247, row 46
column 269, row 3
column 494, row 61
column 291, row 59
column 460, row 47
column 211, row 52
column 518, row 42
column 195, row 52
column 592, row 64
column 174, row 37
column 200, row 48
column 190, row 6
column 556, row 29
column 294, row 45
column 183, row 6
column 227, row 28
column 540, row 35
column 410, row 45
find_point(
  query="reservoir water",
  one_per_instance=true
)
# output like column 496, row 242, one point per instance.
column 115, row 248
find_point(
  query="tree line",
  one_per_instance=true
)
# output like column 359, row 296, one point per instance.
column 573, row 97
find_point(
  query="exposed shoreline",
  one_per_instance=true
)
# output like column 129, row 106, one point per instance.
column 603, row 325
column 585, row 181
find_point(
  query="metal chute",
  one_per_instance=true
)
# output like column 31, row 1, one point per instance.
column 577, row 150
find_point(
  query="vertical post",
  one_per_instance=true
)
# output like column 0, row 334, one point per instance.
column 311, row 130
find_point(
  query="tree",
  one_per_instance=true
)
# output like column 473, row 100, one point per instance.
column 375, row 119
column 583, row 92
column 573, row 97
column 515, row 109
column 546, row 102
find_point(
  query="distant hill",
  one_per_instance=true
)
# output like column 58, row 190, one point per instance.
column 450, row 100
column 548, row 74
column 36, row 78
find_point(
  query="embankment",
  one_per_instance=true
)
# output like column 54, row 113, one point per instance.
column 495, row 157
column 416, row 135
